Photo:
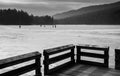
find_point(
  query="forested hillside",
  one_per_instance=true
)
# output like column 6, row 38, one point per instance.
column 97, row 14
column 19, row 17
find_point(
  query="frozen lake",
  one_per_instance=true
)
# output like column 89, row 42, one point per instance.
column 15, row 41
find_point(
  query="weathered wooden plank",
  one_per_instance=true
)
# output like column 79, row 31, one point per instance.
column 92, row 55
column 87, row 70
column 58, row 49
column 95, row 47
column 92, row 63
column 65, row 65
column 20, row 71
column 18, row 59
column 58, row 58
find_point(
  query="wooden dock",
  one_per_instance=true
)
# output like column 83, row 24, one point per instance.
column 86, row 70
column 79, row 67
column 76, row 66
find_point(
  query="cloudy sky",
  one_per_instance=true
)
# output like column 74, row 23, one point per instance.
column 49, row 7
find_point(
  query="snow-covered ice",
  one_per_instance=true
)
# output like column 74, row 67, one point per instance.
column 15, row 41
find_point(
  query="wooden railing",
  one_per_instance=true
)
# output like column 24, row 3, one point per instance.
column 117, row 59
column 104, row 56
column 47, row 60
column 20, row 59
column 57, row 54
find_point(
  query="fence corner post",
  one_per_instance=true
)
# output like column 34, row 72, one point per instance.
column 117, row 59
column 106, row 60
column 45, row 62
column 72, row 55
column 38, row 66
column 78, row 54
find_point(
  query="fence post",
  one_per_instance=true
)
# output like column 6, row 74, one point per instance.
column 117, row 59
column 78, row 54
column 106, row 60
column 46, row 63
column 72, row 55
column 38, row 66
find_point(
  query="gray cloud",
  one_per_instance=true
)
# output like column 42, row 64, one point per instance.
column 37, row 9
column 48, row 1
column 92, row 1
column 50, row 7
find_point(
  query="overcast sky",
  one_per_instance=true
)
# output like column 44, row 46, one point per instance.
column 49, row 7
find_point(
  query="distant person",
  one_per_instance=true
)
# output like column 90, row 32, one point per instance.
column 55, row 26
column 19, row 26
column 40, row 25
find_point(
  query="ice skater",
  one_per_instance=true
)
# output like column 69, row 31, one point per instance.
column 54, row 26
column 19, row 26
column 40, row 25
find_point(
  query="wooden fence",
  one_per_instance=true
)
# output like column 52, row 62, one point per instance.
column 104, row 56
column 20, row 59
column 47, row 60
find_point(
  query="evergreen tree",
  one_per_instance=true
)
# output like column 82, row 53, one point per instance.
column 19, row 17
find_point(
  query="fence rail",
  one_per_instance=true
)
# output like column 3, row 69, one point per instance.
column 20, row 59
column 47, row 60
column 104, row 56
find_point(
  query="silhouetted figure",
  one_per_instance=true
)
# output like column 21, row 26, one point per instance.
column 55, row 26
column 19, row 26
column 40, row 25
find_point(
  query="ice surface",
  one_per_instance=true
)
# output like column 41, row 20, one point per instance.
column 15, row 41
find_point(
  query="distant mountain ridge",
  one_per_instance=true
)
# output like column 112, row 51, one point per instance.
column 97, row 14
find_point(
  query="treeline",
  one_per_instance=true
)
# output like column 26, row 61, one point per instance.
column 42, row 20
column 19, row 17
